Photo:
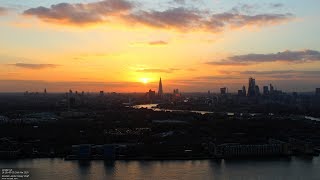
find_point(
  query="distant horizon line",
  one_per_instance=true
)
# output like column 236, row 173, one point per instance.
column 110, row 92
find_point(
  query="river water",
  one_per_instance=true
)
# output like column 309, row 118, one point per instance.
column 153, row 107
column 268, row 169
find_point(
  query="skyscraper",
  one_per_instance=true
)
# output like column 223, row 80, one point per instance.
column 160, row 90
column 223, row 90
column 252, row 87
column 265, row 90
column 271, row 89
column 244, row 91
column 256, row 90
column 151, row 95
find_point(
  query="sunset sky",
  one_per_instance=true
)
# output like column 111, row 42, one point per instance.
column 127, row 45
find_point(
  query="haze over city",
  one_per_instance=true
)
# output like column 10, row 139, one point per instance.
column 126, row 46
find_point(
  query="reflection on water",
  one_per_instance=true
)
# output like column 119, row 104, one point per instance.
column 278, row 168
column 147, row 106
column 312, row 118
column 154, row 107
column 84, row 169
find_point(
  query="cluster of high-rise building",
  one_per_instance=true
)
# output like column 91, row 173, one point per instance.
column 267, row 90
column 243, row 91
column 254, row 90
column 176, row 93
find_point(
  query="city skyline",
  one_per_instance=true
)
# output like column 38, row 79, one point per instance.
column 253, row 90
column 125, row 46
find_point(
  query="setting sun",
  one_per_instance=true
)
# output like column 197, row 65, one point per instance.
column 144, row 80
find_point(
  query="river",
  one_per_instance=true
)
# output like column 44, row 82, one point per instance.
column 153, row 107
column 278, row 169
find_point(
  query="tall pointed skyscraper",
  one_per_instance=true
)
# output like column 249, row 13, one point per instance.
column 160, row 90
column 251, row 87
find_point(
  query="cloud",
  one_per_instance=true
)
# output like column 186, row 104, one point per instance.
column 226, row 63
column 276, row 5
column 151, row 43
column 177, row 18
column 302, row 56
column 237, row 20
column 158, row 43
column 181, row 2
column 81, row 14
column 217, row 77
column 184, row 19
column 34, row 66
column 288, row 75
column 245, row 8
column 170, row 70
column 281, row 72
column 284, row 74
column 3, row 11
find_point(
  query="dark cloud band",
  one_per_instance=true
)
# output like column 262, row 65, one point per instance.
column 34, row 66
column 179, row 18
column 158, row 43
column 285, row 56
column 80, row 14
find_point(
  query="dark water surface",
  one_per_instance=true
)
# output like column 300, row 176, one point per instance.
column 284, row 168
